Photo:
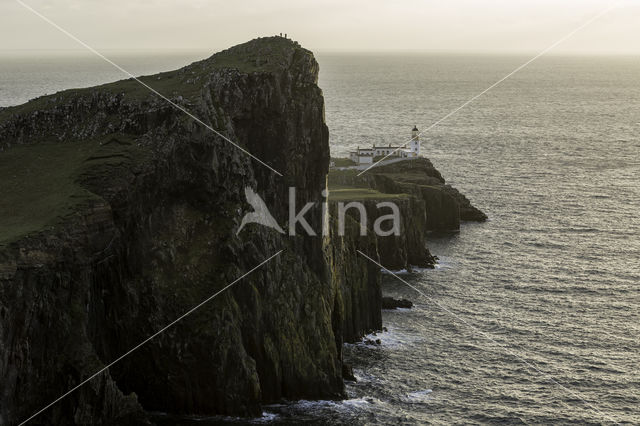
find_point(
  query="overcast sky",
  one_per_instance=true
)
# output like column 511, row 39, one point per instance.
column 325, row 25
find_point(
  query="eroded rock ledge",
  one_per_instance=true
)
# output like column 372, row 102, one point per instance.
column 123, row 216
column 425, row 201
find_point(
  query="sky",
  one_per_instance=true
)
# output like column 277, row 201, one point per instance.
column 488, row 26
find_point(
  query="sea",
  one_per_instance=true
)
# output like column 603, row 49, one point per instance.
column 532, row 317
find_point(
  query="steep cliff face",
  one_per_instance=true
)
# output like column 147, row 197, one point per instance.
column 425, row 203
column 405, row 250
column 123, row 215
column 360, row 305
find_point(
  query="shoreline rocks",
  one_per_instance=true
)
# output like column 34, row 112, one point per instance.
column 391, row 303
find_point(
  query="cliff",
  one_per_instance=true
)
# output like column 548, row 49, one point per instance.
column 120, row 214
column 444, row 206
column 426, row 203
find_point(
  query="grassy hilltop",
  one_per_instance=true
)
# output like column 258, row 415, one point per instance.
column 45, row 176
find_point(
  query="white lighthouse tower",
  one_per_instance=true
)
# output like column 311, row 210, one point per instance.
column 414, row 145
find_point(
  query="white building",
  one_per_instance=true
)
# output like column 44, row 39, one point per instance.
column 362, row 155
column 409, row 150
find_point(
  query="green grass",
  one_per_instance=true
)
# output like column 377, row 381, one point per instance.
column 43, row 102
column 346, row 193
column 46, row 181
column 346, row 177
column 170, row 84
column 42, row 182
column 260, row 55
column 416, row 177
column 346, row 172
column 410, row 177
column 343, row 162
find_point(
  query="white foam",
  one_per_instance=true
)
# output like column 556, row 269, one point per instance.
column 363, row 377
column 418, row 270
column 266, row 417
column 412, row 270
column 357, row 402
column 346, row 404
column 391, row 338
column 444, row 263
column 418, row 397
column 398, row 272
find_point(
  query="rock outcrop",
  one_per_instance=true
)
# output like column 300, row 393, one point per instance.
column 120, row 214
column 444, row 206
column 123, row 217
column 426, row 203
column 391, row 303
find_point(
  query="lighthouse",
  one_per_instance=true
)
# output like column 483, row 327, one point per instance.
column 407, row 150
column 414, row 145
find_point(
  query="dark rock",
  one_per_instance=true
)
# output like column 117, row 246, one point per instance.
column 468, row 212
column 394, row 252
column 149, row 231
column 360, row 305
column 443, row 207
column 391, row 303
column 347, row 372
